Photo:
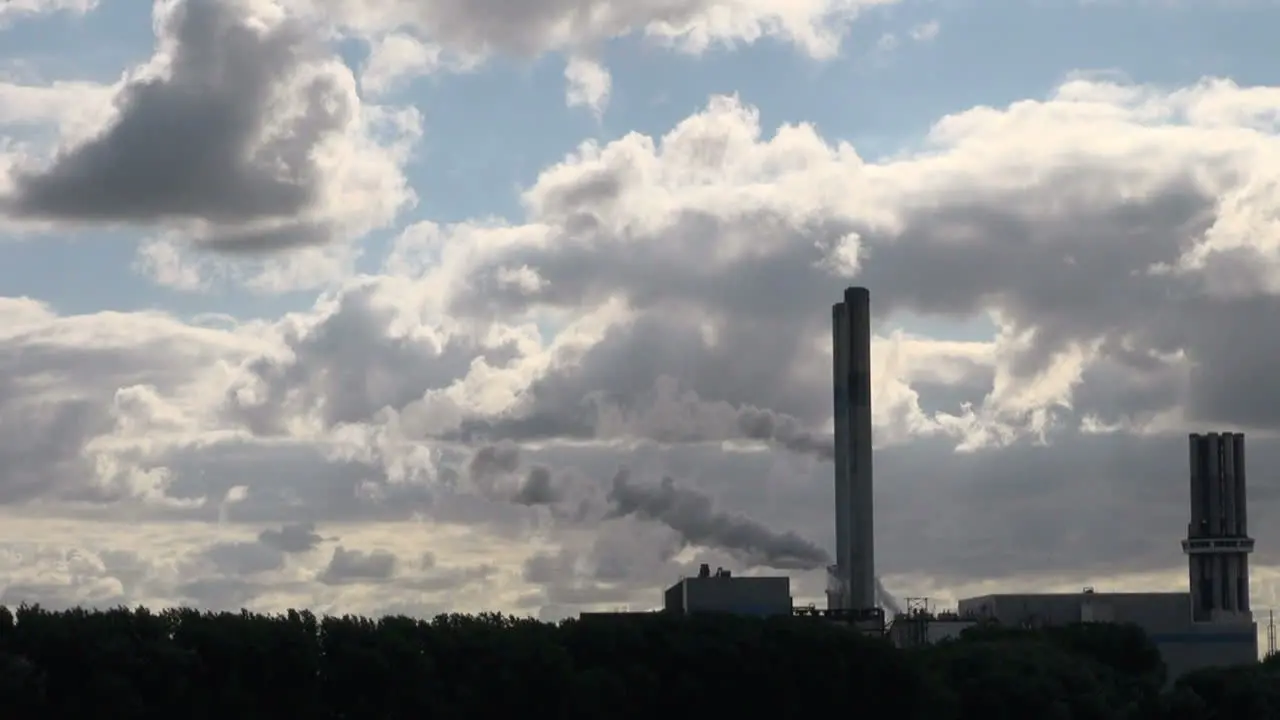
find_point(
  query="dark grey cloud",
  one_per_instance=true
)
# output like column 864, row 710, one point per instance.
column 492, row 461
column 291, row 538
column 541, row 568
column 220, row 593
column 201, row 143
column 1085, row 506
column 450, row 578
column 1082, row 275
column 493, row 471
column 784, row 431
column 239, row 559
column 537, row 488
column 348, row 566
column 43, row 444
column 265, row 554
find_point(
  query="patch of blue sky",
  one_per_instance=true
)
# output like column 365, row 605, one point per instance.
column 489, row 133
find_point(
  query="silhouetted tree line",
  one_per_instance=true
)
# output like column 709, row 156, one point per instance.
column 181, row 663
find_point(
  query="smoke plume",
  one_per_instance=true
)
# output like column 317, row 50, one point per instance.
column 690, row 513
column 493, row 471
column 785, row 431
column 886, row 599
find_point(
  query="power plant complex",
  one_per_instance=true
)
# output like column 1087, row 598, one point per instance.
column 1209, row 625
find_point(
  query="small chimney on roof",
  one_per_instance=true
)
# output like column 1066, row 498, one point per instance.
column 704, row 570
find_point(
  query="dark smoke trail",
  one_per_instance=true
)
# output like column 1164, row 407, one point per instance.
column 690, row 513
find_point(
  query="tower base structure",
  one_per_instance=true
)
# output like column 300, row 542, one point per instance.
column 1218, row 543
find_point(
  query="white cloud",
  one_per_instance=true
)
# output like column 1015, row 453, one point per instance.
column 282, row 97
column 816, row 27
column 589, row 85
column 76, row 107
column 662, row 304
column 924, row 32
column 395, row 58
column 12, row 10
column 163, row 262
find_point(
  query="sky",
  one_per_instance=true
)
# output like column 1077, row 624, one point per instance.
column 417, row 306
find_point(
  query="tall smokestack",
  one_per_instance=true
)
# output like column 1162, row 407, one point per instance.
column 1218, row 542
column 851, row 581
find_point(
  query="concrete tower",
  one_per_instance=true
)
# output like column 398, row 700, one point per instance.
column 1218, row 542
column 851, row 581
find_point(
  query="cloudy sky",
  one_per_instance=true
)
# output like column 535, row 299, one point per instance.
column 422, row 305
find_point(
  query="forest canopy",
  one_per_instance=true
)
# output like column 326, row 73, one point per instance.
column 182, row 663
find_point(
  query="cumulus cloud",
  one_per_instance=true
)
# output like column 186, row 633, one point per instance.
column 245, row 558
column 1061, row 287
column 493, row 469
column 363, row 350
column 396, row 58
column 73, row 389
column 292, row 538
column 12, row 10
column 589, row 85
column 530, row 28
column 358, row 566
column 678, row 231
column 244, row 133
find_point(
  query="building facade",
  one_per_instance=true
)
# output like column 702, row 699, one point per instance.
column 1184, row 645
column 725, row 593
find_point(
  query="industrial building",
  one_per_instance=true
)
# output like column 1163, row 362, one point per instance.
column 1184, row 644
column 1211, row 624
column 920, row 626
column 723, row 592
column 1218, row 543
